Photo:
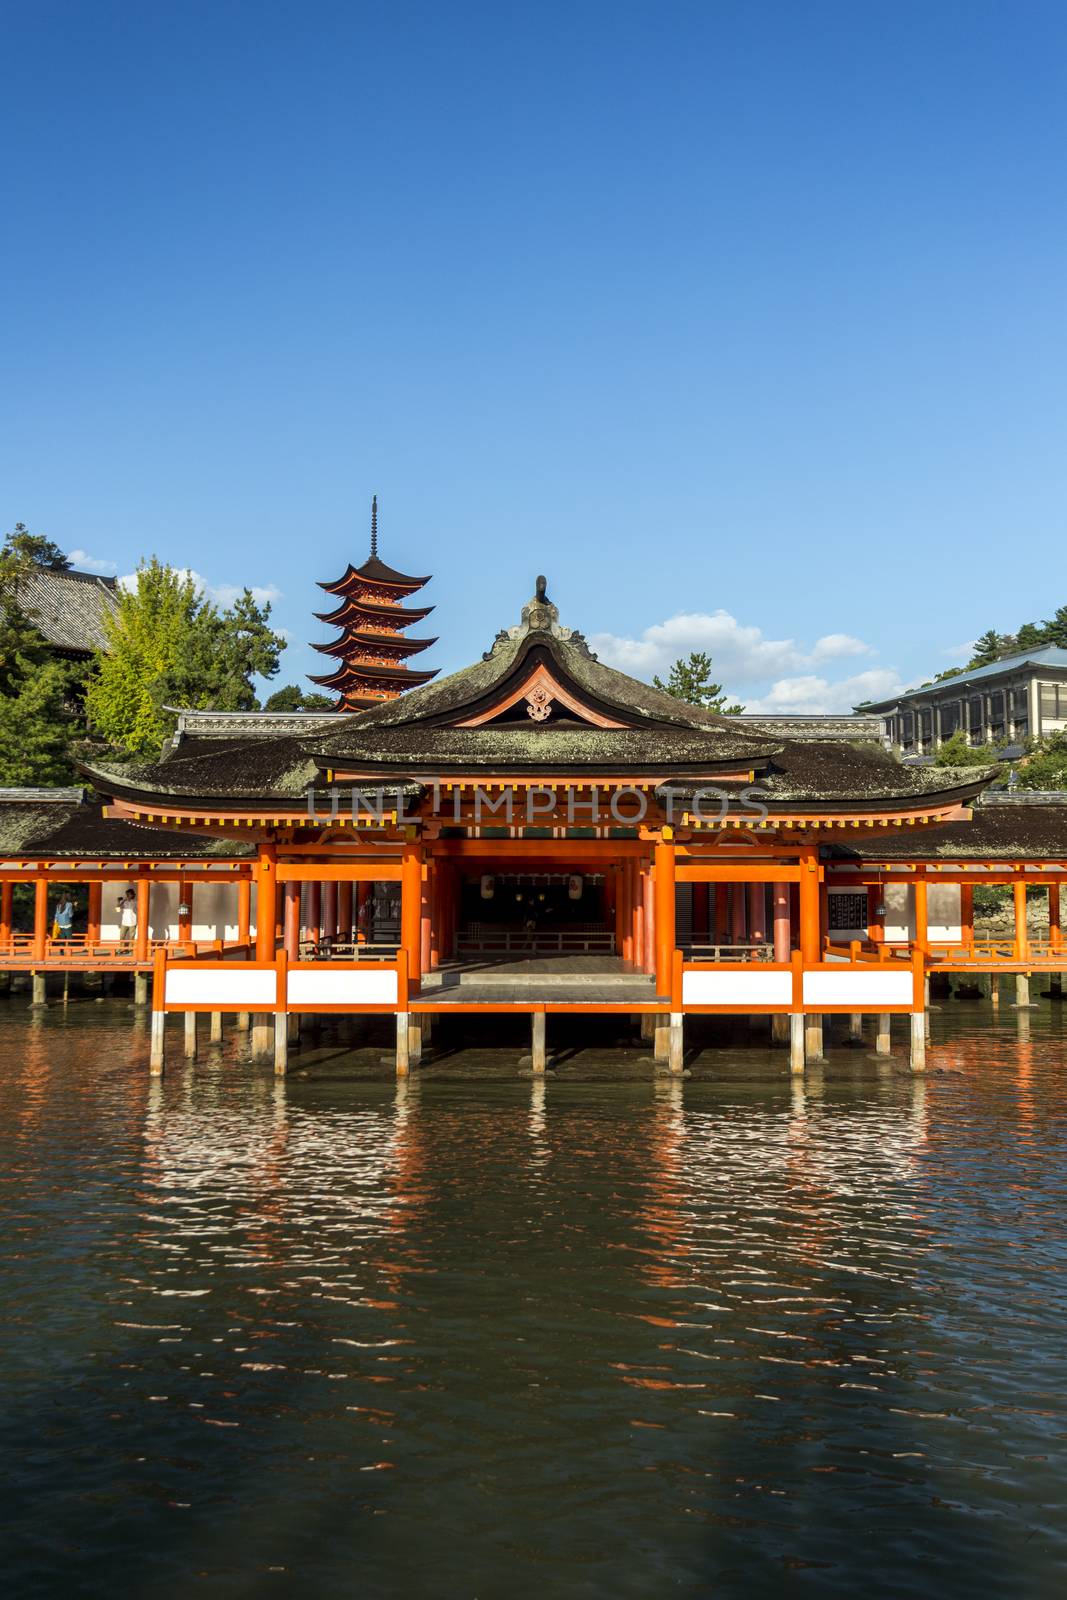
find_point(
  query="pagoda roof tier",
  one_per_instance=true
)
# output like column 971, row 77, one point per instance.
column 354, row 609
column 350, row 675
column 373, row 574
column 374, row 641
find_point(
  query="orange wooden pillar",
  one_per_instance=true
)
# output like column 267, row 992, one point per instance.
column 648, row 919
column 737, row 913
column 266, row 902
column 291, row 920
column 344, row 910
column 1055, row 931
column 140, row 939
column 637, row 911
column 922, row 919
column 810, row 935
column 623, row 920
column 757, row 913
column 426, row 908
column 329, row 908
column 96, row 906
column 185, row 911
column 664, row 887
column 244, row 909
column 411, row 911
column 40, row 917
column 967, row 913
column 6, row 890
column 875, row 914
column 783, row 940
column 1022, row 939
column 315, row 911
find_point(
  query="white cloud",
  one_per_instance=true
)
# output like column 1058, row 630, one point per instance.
column 84, row 562
column 768, row 675
column 811, row 694
column 223, row 594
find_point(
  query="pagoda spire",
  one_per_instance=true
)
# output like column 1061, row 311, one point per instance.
column 370, row 656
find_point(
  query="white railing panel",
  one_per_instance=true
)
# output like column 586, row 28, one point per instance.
column 314, row 987
column 737, row 989
column 238, row 988
column 870, row 988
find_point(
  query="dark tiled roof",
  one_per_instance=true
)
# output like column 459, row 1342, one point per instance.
column 539, row 747
column 999, row 832
column 223, row 769
column 78, row 829
column 69, row 608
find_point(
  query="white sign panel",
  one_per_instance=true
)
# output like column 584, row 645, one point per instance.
column 233, row 988
column 861, row 990
column 738, row 989
column 318, row 987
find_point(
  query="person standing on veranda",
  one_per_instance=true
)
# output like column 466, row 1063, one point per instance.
column 127, row 910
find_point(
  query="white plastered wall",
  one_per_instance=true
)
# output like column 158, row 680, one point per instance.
column 942, row 913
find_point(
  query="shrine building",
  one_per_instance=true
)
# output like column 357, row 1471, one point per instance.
column 536, row 833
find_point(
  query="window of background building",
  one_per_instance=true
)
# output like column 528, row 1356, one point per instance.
column 976, row 719
column 997, row 724
column 1020, row 712
column 951, row 716
column 1053, row 701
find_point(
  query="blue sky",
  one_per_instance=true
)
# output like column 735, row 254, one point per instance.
column 744, row 323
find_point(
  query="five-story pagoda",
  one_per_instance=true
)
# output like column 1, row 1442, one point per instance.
column 372, row 650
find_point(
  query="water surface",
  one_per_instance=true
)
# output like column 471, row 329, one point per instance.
column 481, row 1336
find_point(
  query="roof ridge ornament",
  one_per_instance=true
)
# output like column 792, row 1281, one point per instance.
column 539, row 615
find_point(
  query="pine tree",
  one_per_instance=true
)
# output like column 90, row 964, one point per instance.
column 989, row 647
column 1031, row 636
column 1055, row 630
column 292, row 698
column 690, row 680
column 40, row 709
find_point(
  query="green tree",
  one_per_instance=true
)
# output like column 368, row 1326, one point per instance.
column 989, row 647
column 1055, row 630
column 1031, row 636
column 25, row 547
column 690, row 680
column 1045, row 764
column 40, row 701
column 168, row 645
column 292, row 698
column 956, row 752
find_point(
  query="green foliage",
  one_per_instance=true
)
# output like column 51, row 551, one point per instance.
column 956, row 752
column 292, row 698
column 25, row 547
column 168, row 645
column 992, row 646
column 1045, row 764
column 690, row 680
column 40, row 702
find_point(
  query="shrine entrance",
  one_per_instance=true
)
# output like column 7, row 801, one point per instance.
column 534, row 913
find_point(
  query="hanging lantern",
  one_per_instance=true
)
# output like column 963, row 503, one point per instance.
column 574, row 886
column 488, row 886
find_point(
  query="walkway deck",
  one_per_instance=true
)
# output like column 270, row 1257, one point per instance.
column 563, row 980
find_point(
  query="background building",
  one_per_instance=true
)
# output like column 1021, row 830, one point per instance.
column 1022, row 697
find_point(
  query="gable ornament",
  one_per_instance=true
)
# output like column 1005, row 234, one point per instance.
column 539, row 703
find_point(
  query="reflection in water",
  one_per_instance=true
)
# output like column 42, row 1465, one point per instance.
column 592, row 1335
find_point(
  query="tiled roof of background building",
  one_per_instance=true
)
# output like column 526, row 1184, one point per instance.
column 69, row 608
